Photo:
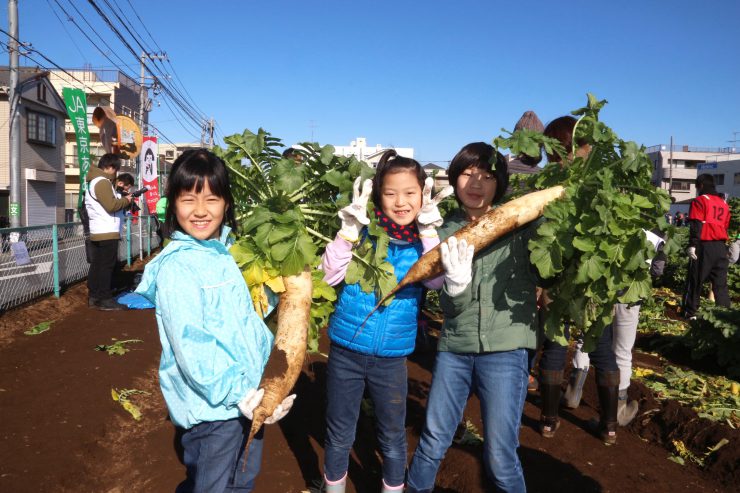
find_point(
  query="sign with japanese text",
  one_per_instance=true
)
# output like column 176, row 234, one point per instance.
column 76, row 103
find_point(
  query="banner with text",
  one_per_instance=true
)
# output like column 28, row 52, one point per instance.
column 149, row 172
column 76, row 103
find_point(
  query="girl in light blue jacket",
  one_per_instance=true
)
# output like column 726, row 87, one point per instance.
column 214, row 345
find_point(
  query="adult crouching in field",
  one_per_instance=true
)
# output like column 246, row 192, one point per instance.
column 490, row 310
column 709, row 218
column 105, row 209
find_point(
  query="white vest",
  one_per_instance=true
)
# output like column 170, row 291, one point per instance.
column 101, row 221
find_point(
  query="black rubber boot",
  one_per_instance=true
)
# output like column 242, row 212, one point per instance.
column 550, row 382
column 607, row 386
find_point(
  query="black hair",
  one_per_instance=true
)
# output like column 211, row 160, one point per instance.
column 482, row 156
column 149, row 151
column 126, row 179
column 391, row 162
column 705, row 184
column 189, row 172
column 110, row 160
column 562, row 130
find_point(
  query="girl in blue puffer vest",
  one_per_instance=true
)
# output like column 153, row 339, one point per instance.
column 374, row 356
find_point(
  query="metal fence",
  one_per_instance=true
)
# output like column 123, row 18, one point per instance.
column 56, row 257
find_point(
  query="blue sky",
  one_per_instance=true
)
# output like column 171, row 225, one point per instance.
column 433, row 75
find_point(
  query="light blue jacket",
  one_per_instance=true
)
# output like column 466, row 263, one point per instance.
column 214, row 345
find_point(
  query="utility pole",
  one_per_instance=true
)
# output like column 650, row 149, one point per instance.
column 670, row 170
column 211, row 130
column 15, row 120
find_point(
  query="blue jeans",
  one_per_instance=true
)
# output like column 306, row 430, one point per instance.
column 554, row 355
column 213, row 456
column 500, row 381
column 348, row 373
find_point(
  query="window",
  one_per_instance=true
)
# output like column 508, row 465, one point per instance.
column 719, row 179
column 737, row 179
column 41, row 128
column 169, row 154
column 684, row 186
column 41, row 92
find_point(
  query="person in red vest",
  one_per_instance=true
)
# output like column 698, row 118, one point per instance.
column 709, row 218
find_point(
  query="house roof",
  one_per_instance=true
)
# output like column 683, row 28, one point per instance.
column 23, row 73
column 432, row 166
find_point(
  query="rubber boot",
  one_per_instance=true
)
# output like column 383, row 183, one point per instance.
column 626, row 410
column 607, row 386
column 550, row 381
column 572, row 396
column 391, row 489
column 337, row 487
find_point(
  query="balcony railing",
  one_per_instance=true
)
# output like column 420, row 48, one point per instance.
column 685, row 148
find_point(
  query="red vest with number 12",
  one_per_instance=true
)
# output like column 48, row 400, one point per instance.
column 714, row 213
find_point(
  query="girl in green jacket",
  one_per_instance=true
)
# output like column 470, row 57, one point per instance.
column 490, row 309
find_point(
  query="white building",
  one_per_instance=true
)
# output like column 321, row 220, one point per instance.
column 678, row 169
column 371, row 155
column 726, row 175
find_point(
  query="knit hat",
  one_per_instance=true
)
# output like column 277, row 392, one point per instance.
column 530, row 121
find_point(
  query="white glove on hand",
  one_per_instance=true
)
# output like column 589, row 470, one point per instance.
column 692, row 253
column 253, row 398
column 429, row 216
column 354, row 216
column 457, row 261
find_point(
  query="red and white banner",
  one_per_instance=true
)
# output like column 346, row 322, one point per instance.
column 149, row 172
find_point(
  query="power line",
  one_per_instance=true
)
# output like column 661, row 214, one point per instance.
column 65, row 28
column 186, row 110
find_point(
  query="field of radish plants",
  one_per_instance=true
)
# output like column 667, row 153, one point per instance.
column 79, row 395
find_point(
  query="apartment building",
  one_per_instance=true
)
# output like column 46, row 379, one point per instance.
column 677, row 167
column 370, row 154
column 102, row 88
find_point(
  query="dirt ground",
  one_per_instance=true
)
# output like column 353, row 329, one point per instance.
column 62, row 431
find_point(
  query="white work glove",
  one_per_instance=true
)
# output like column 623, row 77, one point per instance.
column 354, row 216
column 429, row 216
column 692, row 253
column 457, row 261
column 253, row 398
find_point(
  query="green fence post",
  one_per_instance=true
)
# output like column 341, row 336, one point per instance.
column 55, row 254
column 128, row 240
column 148, row 235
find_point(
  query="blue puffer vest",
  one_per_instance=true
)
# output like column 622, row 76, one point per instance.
column 391, row 331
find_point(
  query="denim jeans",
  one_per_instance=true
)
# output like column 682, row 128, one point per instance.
column 500, row 381
column 554, row 355
column 348, row 374
column 213, row 456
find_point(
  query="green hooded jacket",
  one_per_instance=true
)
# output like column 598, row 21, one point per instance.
column 497, row 311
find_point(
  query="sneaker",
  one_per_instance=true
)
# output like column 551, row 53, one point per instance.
column 109, row 305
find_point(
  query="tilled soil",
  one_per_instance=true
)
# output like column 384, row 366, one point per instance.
column 62, row 431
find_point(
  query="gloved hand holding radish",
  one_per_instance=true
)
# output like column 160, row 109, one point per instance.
column 354, row 216
column 457, row 261
column 253, row 399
